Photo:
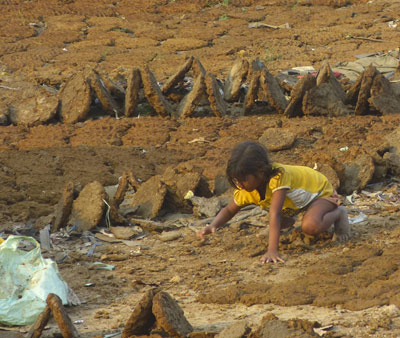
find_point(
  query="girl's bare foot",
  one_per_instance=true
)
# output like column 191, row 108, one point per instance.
column 342, row 226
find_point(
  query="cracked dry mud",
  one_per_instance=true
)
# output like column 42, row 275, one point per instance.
column 354, row 286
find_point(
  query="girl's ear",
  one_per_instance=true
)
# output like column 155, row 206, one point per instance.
column 262, row 173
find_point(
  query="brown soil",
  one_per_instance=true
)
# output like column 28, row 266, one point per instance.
column 354, row 287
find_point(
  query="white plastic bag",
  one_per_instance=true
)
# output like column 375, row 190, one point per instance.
column 25, row 281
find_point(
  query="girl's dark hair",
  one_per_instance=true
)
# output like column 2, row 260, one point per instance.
column 248, row 158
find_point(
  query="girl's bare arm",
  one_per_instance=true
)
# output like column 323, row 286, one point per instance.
column 223, row 216
column 275, row 215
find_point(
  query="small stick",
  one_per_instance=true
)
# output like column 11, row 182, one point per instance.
column 5, row 87
column 368, row 39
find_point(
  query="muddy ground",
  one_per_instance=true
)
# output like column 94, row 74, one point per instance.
column 352, row 286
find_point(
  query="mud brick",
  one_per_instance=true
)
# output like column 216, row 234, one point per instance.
column 287, row 82
column 150, row 197
column 134, row 83
column 362, row 106
column 89, row 207
column 352, row 93
column 238, row 329
column 3, row 118
column 34, row 106
column 177, row 77
column 276, row 139
column 325, row 75
column 64, row 207
column 198, row 68
column 236, row 78
column 151, row 226
column 65, row 324
column 181, row 182
column 169, row 315
column 255, row 66
column 115, row 216
column 357, row 173
column 305, row 84
column 122, row 232
column 252, row 93
column 102, row 93
column 121, row 189
column 133, row 181
column 322, row 101
column 75, row 99
column 383, row 98
column 40, row 323
column 330, row 174
column 188, row 104
column 153, row 93
column 254, row 85
column 208, row 207
column 273, row 91
column 114, row 88
column 217, row 103
column 142, row 318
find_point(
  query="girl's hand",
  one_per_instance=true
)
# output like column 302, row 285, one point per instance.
column 201, row 234
column 271, row 256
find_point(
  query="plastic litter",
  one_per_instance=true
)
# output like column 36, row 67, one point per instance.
column 189, row 195
column 358, row 219
column 26, row 280
column 112, row 335
column 101, row 266
column 321, row 331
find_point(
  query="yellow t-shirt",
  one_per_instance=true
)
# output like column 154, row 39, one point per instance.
column 303, row 183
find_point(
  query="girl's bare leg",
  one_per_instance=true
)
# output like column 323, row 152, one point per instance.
column 287, row 222
column 320, row 216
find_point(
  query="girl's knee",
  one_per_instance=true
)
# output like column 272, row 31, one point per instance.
column 310, row 227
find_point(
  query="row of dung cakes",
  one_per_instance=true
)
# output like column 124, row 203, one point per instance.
column 249, row 88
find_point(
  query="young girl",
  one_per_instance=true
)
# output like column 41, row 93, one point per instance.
column 287, row 190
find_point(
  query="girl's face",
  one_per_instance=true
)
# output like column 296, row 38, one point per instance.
column 252, row 182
